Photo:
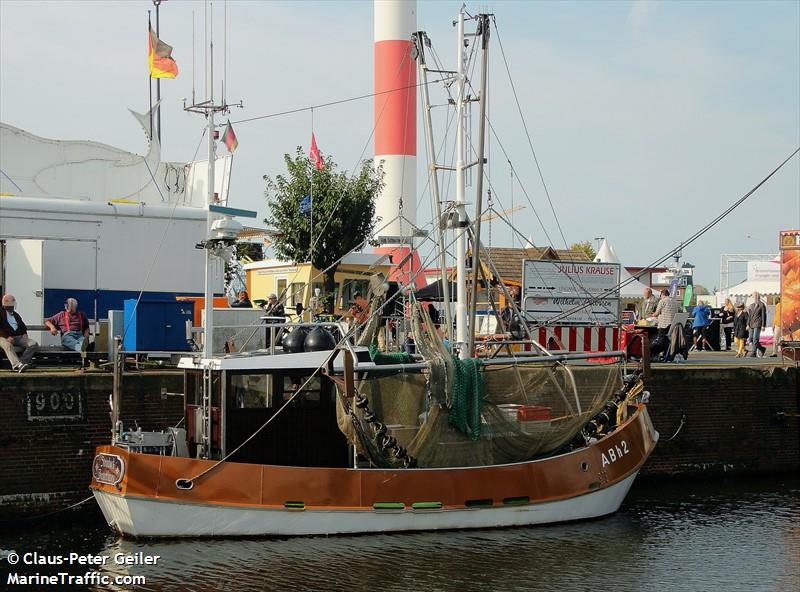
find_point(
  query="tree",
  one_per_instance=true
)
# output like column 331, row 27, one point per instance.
column 343, row 213
column 700, row 290
column 246, row 252
column 249, row 252
column 584, row 247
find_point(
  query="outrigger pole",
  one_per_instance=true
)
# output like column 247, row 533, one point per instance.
column 483, row 34
column 421, row 39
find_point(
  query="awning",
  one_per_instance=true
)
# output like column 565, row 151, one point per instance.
column 433, row 292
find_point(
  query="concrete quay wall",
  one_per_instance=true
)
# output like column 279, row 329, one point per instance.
column 732, row 419
column 52, row 422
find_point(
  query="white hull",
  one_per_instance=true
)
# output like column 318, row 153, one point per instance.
column 143, row 517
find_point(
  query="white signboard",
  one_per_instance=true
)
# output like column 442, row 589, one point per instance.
column 763, row 271
column 570, row 292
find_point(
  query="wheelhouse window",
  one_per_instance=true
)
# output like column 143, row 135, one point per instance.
column 297, row 293
column 194, row 387
column 271, row 390
column 310, row 392
column 280, row 289
column 251, row 391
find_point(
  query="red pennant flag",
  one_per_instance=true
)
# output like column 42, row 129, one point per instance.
column 314, row 156
column 229, row 138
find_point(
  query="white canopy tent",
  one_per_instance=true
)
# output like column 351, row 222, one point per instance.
column 763, row 287
column 633, row 288
column 762, row 277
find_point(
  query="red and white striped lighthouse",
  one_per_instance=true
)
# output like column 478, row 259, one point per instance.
column 396, row 129
column 396, row 112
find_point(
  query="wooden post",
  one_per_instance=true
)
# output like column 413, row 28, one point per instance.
column 349, row 376
column 646, row 373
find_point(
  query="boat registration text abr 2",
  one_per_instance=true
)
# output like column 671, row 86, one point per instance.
column 615, row 453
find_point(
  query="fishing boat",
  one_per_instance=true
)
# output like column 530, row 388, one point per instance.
column 325, row 434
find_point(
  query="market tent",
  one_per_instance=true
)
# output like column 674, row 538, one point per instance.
column 632, row 287
column 763, row 287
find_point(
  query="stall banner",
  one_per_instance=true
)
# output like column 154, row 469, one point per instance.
column 570, row 292
column 790, row 285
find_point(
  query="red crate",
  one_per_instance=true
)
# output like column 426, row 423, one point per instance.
column 533, row 413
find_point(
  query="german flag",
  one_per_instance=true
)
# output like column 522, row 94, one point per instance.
column 159, row 56
column 229, row 138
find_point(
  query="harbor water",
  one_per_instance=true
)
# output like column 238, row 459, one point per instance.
column 722, row 534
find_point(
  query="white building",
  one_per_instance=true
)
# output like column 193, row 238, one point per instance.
column 86, row 220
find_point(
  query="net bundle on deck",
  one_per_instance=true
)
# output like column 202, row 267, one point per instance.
column 459, row 413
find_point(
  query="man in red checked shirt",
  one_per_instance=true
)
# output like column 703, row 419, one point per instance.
column 72, row 324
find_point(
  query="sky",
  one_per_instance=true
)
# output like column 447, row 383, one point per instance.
column 648, row 118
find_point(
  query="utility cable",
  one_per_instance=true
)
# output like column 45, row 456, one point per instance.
column 330, row 103
column 692, row 238
column 527, row 133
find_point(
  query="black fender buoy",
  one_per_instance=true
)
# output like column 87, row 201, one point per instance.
column 294, row 341
column 319, row 340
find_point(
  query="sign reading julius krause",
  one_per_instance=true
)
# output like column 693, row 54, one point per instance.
column 572, row 292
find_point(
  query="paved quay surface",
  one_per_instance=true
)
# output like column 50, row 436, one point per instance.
column 727, row 358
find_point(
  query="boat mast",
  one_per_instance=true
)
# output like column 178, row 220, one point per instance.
column 208, row 328
column 483, row 34
column 157, row 4
column 208, row 108
column 461, row 234
column 420, row 39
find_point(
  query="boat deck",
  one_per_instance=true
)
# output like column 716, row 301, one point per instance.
column 696, row 359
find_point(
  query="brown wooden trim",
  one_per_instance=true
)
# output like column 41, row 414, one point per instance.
column 239, row 484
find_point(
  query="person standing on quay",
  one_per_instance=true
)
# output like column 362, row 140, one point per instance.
column 664, row 314
column 702, row 319
column 740, row 330
column 756, row 320
column 727, row 315
column 649, row 304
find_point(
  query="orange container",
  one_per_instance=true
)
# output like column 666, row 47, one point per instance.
column 199, row 303
column 533, row 413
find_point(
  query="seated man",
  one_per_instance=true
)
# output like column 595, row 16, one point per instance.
column 14, row 334
column 72, row 324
